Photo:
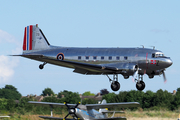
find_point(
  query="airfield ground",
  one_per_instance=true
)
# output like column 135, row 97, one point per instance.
column 131, row 115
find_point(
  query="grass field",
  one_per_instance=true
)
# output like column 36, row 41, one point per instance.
column 130, row 115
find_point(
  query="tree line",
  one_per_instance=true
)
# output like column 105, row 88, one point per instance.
column 149, row 100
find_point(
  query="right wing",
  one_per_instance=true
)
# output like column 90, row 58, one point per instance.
column 112, row 105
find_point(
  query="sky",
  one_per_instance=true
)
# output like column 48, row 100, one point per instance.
column 90, row 23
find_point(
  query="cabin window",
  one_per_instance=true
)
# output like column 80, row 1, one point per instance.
column 94, row 57
column 110, row 57
column 125, row 57
column 117, row 58
column 79, row 57
column 87, row 57
column 102, row 57
column 153, row 55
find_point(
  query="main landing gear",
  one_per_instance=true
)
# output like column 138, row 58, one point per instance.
column 115, row 85
column 41, row 66
column 140, row 85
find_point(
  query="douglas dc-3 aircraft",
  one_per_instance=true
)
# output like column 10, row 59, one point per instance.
column 88, row 112
column 96, row 61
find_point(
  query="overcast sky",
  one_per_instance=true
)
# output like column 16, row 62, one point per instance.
column 90, row 23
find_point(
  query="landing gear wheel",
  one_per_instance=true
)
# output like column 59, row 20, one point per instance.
column 115, row 86
column 140, row 85
column 41, row 66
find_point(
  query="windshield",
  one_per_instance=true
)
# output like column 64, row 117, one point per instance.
column 157, row 54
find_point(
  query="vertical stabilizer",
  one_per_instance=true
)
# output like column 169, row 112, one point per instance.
column 34, row 39
column 103, row 110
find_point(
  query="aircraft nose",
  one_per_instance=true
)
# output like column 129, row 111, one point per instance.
column 168, row 62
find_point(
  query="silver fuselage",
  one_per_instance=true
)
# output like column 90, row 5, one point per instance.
column 121, row 58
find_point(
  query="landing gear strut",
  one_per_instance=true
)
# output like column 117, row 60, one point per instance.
column 41, row 66
column 115, row 85
column 140, row 85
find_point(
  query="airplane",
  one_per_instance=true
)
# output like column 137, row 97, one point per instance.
column 88, row 112
column 133, row 62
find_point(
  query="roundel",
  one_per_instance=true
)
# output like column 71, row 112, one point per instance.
column 60, row 56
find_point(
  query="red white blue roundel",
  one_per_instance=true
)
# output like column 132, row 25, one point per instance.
column 60, row 56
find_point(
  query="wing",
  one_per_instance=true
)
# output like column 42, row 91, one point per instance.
column 49, row 104
column 112, row 105
column 84, row 68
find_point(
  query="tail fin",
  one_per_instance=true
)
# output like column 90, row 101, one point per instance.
column 103, row 110
column 34, row 39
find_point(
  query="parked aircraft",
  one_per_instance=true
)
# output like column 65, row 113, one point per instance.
column 88, row 112
column 96, row 61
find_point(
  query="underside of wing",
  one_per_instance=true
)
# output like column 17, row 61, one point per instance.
column 83, row 68
column 113, row 105
column 86, row 68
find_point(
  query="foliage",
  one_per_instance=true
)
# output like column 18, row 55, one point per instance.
column 110, row 98
column 89, row 101
column 10, row 92
column 47, row 91
column 88, row 93
column 160, row 100
column 69, row 97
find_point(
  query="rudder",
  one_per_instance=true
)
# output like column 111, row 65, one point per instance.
column 34, row 39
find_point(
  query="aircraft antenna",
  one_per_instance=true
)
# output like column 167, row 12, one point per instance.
column 153, row 47
column 142, row 46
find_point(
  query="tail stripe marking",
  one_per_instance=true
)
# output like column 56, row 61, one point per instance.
column 28, row 38
column 24, row 44
column 30, row 43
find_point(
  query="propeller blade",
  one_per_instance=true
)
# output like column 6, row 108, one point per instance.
column 71, row 110
column 164, row 76
column 77, row 105
column 66, row 116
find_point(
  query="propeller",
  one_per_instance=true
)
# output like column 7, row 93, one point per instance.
column 164, row 76
column 71, row 110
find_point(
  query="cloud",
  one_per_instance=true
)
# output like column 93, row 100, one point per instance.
column 7, row 68
column 8, row 63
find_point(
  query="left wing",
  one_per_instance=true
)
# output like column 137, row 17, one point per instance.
column 112, row 105
column 50, row 104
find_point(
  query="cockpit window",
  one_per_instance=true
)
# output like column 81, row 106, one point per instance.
column 158, row 54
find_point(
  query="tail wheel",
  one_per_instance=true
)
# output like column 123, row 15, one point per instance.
column 115, row 86
column 41, row 66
